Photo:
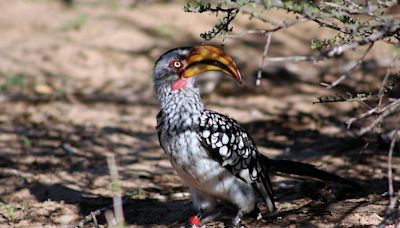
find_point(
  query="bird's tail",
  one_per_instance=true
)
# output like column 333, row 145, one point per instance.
column 302, row 169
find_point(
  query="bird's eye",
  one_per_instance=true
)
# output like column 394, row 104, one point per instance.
column 177, row 64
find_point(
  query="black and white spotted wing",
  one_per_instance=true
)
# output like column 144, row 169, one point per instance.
column 228, row 143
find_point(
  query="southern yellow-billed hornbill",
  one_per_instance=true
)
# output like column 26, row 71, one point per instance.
column 213, row 155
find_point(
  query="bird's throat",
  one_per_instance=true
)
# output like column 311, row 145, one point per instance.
column 179, row 83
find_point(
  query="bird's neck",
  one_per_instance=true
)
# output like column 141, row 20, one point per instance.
column 185, row 101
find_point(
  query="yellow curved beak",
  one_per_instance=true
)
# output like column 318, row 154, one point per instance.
column 205, row 58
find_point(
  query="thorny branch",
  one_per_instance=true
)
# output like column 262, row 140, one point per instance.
column 338, row 50
column 386, row 88
column 340, row 16
column 352, row 31
column 356, row 24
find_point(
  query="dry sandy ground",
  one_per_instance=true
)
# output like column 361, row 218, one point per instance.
column 76, row 87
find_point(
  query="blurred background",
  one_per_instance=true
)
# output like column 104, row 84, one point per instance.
column 76, row 86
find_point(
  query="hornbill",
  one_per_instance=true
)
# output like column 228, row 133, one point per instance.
column 214, row 156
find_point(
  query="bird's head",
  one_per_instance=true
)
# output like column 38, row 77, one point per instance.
column 177, row 67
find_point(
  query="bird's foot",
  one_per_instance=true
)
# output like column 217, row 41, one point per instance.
column 203, row 217
column 193, row 222
column 238, row 218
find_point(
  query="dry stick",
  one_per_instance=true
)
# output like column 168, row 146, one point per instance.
column 345, row 75
column 110, row 218
column 294, row 58
column 14, row 172
column 373, row 111
column 262, row 63
column 96, row 224
column 362, row 116
column 117, row 201
column 392, row 199
column 93, row 214
column 389, row 109
column 390, row 178
column 116, row 189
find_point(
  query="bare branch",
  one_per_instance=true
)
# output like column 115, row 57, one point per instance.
column 388, row 110
column 348, row 73
column 117, row 193
column 264, row 31
column 389, row 164
column 391, row 211
column 262, row 63
column 293, row 58
column 338, row 50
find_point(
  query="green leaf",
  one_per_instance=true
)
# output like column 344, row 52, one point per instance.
column 316, row 44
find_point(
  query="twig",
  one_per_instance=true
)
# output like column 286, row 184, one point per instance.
column 258, row 17
column 393, row 199
column 116, row 189
column 110, row 218
column 349, row 10
column 264, row 31
column 338, row 50
column 390, row 178
column 362, row 116
column 346, row 75
column 370, row 39
column 293, row 58
column 117, row 219
column 325, row 24
column 247, row 32
column 92, row 216
column 96, row 224
column 386, row 111
column 14, row 172
column 262, row 63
